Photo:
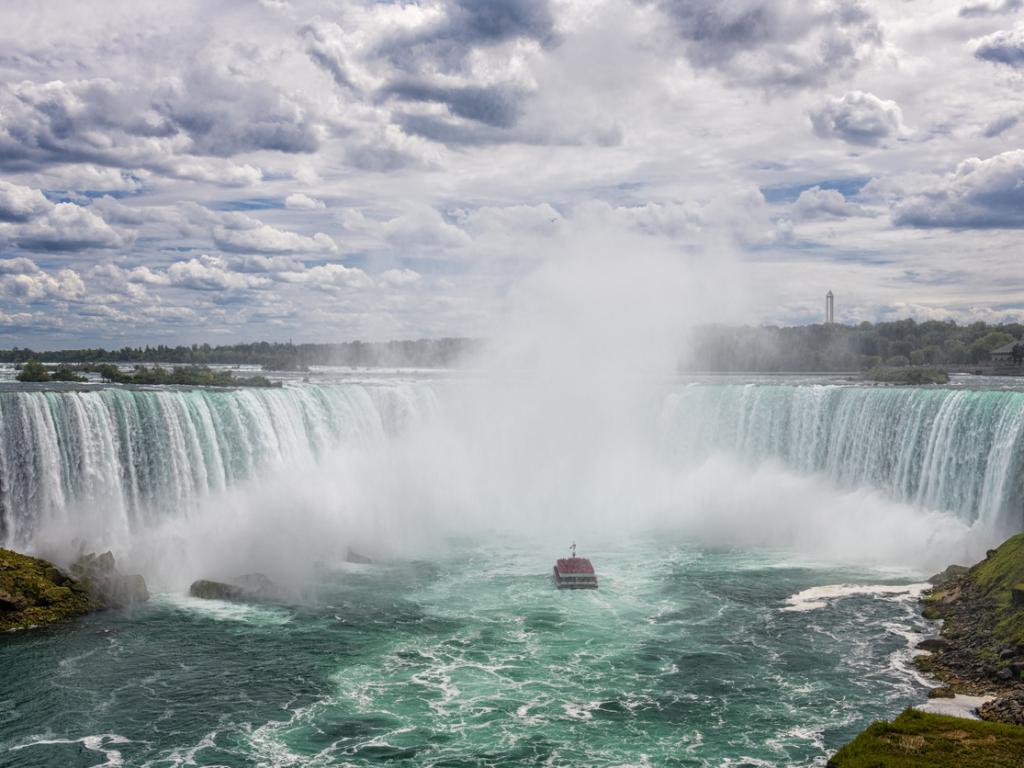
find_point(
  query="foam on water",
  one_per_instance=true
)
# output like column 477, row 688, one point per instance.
column 103, row 743
column 820, row 597
column 958, row 706
column 224, row 610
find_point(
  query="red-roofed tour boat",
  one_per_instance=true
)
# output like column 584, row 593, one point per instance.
column 575, row 572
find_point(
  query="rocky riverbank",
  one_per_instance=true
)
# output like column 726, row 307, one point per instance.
column 981, row 647
column 34, row 592
column 980, row 651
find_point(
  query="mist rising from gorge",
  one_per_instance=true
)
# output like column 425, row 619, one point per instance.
column 557, row 434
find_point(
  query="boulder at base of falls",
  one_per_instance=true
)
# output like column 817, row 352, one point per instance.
column 250, row 588
column 351, row 556
column 34, row 592
column 106, row 585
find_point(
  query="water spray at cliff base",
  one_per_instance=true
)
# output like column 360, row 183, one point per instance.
column 572, row 424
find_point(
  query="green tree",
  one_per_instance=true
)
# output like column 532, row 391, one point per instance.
column 33, row 370
column 65, row 372
column 926, row 355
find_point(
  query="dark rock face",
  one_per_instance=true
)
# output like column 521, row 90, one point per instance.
column 941, row 693
column 951, row 573
column 34, row 592
column 99, row 576
column 215, row 590
column 1017, row 595
column 249, row 588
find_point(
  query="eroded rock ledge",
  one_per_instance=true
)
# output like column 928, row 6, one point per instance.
column 981, row 648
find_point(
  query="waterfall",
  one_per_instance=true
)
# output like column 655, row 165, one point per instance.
column 119, row 460
column 129, row 456
column 960, row 451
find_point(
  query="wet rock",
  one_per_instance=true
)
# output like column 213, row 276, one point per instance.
column 932, row 644
column 1005, row 709
column 99, row 576
column 250, row 587
column 351, row 556
column 215, row 590
column 943, row 692
column 256, row 584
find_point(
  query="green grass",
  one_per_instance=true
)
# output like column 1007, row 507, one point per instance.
column 997, row 576
column 920, row 740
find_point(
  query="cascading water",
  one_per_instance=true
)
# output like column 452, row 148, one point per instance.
column 113, row 461
column 958, row 451
column 132, row 456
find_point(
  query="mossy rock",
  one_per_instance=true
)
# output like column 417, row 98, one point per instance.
column 251, row 587
column 55, row 595
column 924, row 662
column 921, row 740
column 34, row 592
column 932, row 612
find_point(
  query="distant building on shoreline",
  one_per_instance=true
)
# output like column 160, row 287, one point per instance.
column 830, row 316
column 1011, row 353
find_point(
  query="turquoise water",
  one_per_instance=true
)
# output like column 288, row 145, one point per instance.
column 684, row 656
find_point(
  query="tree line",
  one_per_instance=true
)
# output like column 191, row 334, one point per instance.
column 847, row 347
column 33, row 371
column 273, row 356
column 711, row 348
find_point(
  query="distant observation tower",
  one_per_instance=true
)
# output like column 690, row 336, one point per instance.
column 830, row 306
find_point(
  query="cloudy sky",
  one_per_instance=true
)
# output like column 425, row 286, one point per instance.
column 336, row 169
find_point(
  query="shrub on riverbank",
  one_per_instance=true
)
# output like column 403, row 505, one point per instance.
column 918, row 376
column 188, row 375
column 33, row 371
